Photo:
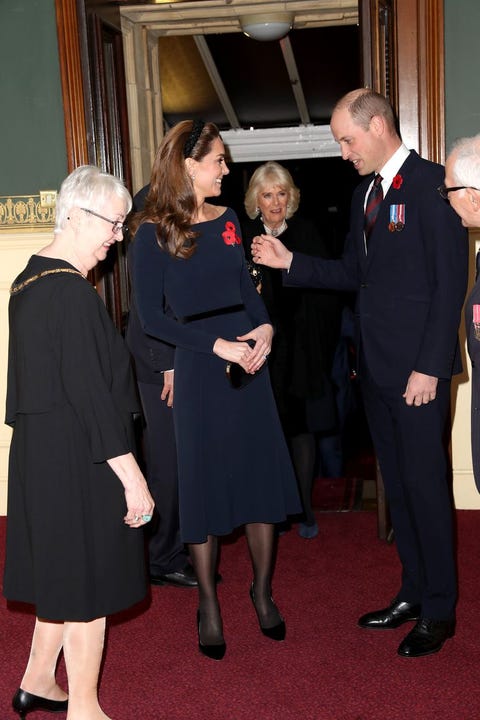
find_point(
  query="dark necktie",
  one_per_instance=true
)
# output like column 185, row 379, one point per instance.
column 477, row 266
column 375, row 197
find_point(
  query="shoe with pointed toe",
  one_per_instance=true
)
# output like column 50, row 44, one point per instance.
column 276, row 632
column 24, row 702
column 214, row 652
column 426, row 638
column 397, row 613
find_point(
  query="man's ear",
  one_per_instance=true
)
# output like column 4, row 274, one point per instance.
column 377, row 124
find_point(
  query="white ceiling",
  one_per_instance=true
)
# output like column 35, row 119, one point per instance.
column 215, row 17
column 223, row 16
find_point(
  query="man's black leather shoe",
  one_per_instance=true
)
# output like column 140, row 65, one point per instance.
column 426, row 637
column 393, row 616
column 180, row 578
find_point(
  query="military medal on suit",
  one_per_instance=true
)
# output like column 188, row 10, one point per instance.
column 397, row 218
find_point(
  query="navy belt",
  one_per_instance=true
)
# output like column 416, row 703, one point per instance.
column 212, row 313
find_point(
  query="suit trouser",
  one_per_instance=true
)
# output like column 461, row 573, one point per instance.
column 165, row 549
column 410, row 447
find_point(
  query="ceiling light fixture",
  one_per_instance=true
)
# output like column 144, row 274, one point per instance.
column 267, row 26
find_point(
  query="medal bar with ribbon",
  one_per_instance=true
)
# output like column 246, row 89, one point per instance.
column 397, row 218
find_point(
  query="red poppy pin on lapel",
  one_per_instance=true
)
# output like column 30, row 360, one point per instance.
column 397, row 182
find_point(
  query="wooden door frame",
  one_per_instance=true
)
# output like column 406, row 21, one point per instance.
column 419, row 55
column 96, row 126
column 71, row 74
column 420, row 69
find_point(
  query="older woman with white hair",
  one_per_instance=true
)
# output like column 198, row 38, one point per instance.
column 462, row 190
column 307, row 328
column 76, row 496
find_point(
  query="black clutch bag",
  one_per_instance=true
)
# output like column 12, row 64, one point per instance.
column 237, row 376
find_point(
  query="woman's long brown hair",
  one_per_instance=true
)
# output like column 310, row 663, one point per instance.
column 171, row 202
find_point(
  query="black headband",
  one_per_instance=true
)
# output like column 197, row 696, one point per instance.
column 192, row 139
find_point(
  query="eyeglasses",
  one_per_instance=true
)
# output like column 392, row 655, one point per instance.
column 117, row 226
column 444, row 190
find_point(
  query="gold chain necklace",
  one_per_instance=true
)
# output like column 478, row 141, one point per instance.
column 17, row 288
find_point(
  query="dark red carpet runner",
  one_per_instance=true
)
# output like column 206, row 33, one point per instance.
column 327, row 669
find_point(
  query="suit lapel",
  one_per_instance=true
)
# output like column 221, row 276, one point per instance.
column 394, row 196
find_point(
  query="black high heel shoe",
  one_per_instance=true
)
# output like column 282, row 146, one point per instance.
column 215, row 652
column 24, row 702
column 278, row 631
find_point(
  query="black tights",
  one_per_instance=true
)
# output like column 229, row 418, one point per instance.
column 260, row 539
column 303, row 458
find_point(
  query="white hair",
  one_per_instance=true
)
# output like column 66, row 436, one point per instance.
column 88, row 187
column 466, row 161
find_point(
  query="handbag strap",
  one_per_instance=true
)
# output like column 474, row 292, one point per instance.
column 17, row 288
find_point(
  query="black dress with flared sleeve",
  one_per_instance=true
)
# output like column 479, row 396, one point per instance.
column 307, row 331
column 70, row 400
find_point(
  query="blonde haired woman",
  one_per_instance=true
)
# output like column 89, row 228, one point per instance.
column 307, row 327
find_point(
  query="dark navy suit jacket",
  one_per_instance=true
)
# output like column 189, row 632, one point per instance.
column 411, row 285
column 473, row 339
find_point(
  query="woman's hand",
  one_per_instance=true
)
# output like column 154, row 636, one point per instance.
column 262, row 337
column 140, row 503
column 242, row 352
column 270, row 251
column 237, row 352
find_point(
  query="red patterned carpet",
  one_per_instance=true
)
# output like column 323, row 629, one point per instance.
column 327, row 669
column 337, row 494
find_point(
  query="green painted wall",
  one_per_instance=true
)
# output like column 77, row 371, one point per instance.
column 32, row 135
column 462, row 69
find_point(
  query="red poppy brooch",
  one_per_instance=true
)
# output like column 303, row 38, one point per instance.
column 397, row 182
column 229, row 235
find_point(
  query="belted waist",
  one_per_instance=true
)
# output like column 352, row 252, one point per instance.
column 212, row 313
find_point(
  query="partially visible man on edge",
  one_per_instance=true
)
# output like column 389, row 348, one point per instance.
column 462, row 190
column 406, row 257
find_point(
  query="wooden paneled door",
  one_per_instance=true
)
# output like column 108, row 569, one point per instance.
column 96, row 122
column 403, row 58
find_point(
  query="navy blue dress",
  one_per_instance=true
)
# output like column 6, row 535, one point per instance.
column 233, row 462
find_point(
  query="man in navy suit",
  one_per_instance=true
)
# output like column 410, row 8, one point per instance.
column 410, row 279
column 154, row 359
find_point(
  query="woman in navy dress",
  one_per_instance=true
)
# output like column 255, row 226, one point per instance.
column 191, row 287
